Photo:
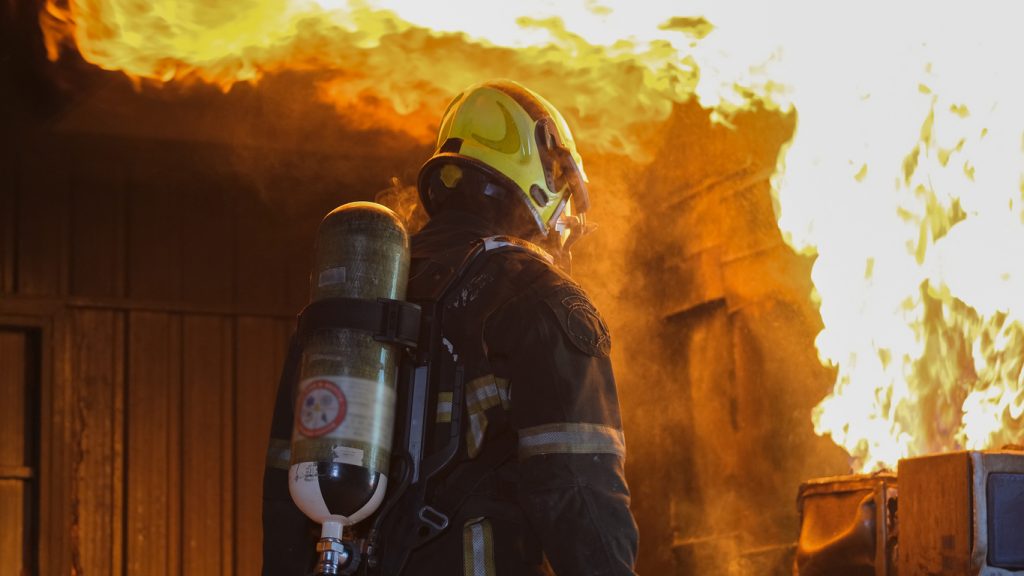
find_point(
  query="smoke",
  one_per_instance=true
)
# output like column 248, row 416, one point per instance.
column 405, row 202
column 712, row 342
column 711, row 323
column 302, row 156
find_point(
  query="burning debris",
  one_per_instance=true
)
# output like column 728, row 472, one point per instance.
column 848, row 526
column 955, row 514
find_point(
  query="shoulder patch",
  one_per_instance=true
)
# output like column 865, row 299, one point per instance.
column 580, row 320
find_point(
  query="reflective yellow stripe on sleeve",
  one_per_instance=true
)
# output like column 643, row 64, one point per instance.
column 444, row 407
column 570, row 438
column 482, row 394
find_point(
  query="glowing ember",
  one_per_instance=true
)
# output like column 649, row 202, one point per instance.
column 904, row 177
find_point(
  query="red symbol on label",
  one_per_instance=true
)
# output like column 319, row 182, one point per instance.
column 322, row 408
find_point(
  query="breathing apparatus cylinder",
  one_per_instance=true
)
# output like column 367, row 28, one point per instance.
column 345, row 401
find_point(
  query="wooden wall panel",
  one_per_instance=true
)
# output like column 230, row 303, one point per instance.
column 207, row 470
column 262, row 260
column 10, row 171
column 155, row 248
column 154, row 450
column 14, row 349
column 261, row 345
column 207, row 243
column 300, row 260
column 96, row 375
column 42, row 242
column 110, row 220
column 12, row 529
column 98, row 222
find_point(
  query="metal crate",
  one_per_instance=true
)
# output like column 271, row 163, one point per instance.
column 847, row 526
column 962, row 514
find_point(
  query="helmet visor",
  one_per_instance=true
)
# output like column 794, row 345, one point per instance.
column 560, row 169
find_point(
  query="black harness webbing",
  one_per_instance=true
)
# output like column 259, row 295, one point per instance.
column 389, row 321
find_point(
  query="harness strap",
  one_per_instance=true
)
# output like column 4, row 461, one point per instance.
column 427, row 512
column 465, row 479
column 389, row 321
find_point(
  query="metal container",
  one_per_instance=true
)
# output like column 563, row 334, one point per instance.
column 847, row 526
column 345, row 404
column 962, row 514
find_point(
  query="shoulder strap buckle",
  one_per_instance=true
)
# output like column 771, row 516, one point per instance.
column 433, row 518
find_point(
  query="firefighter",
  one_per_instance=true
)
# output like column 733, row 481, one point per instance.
column 535, row 484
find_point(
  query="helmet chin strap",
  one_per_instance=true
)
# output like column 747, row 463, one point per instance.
column 569, row 227
column 567, row 231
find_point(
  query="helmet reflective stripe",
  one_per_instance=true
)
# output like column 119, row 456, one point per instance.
column 503, row 128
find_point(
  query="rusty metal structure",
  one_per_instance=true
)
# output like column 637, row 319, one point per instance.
column 848, row 526
column 955, row 514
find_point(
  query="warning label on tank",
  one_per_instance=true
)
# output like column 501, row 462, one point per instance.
column 355, row 415
column 322, row 407
column 347, row 455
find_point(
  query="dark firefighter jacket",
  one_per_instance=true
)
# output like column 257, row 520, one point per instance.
column 540, row 408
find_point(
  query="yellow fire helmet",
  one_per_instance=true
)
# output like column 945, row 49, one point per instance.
column 521, row 141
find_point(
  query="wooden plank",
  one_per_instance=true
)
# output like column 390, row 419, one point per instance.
column 98, row 222
column 227, row 434
column 207, row 367
column 13, row 429
column 57, row 442
column 174, row 451
column 13, row 389
column 935, row 514
column 42, row 224
column 117, row 462
column 155, row 227
column 261, row 345
column 153, row 448
column 12, row 527
column 11, row 173
column 97, row 343
column 208, row 224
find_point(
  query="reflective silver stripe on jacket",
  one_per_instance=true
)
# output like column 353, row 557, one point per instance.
column 570, row 438
column 482, row 393
column 478, row 548
column 279, row 454
column 496, row 242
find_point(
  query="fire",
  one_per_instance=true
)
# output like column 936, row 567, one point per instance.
column 397, row 60
column 906, row 181
column 904, row 178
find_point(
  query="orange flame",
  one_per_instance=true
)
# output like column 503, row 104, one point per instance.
column 904, row 177
column 399, row 60
column 906, row 181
